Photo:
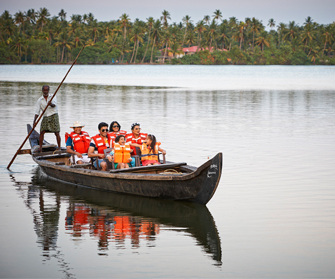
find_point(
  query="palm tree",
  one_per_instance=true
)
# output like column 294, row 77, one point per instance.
column 239, row 34
column 307, row 35
column 18, row 42
column 43, row 15
column 280, row 29
column 223, row 33
column 156, row 34
column 165, row 16
column 262, row 40
column 326, row 37
column 94, row 29
column 212, row 32
column 187, row 21
column 271, row 23
column 136, row 37
column 78, row 38
column 63, row 40
column 255, row 27
column 200, row 28
column 291, row 31
column 190, row 39
column 207, row 19
column 150, row 23
column 19, row 19
column 308, row 21
column 217, row 15
column 62, row 15
column 166, row 41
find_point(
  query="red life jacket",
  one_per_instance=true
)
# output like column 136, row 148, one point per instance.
column 81, row 142
column 112, row 135
column 131, row 139
column 100, row 143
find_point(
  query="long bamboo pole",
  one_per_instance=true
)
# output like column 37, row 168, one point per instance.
column 39, row 118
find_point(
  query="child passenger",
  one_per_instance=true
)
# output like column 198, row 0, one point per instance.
column 121, row 153
column 151, row 147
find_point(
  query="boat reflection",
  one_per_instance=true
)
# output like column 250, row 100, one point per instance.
column 113, row 218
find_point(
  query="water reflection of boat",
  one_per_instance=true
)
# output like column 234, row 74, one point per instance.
column 145, row 215
column 176, row 181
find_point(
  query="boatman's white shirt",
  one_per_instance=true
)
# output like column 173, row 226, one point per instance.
column 41, row 104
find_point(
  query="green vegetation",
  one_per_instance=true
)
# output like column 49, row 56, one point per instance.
column 36, row 37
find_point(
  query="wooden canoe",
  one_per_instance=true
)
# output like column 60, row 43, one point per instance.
column 176, row 181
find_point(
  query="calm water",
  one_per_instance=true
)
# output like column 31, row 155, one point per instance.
column 271, row 217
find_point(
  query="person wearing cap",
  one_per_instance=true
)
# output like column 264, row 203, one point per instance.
column 50, row 122
column 77, row 143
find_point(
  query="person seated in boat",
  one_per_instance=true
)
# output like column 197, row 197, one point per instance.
column 97, row 146
column 122, row 150
column 135, row 139
column 114, row 131
column 77, row 143
column 150, row 148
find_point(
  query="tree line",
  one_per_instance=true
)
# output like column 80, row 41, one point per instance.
column 36, row 37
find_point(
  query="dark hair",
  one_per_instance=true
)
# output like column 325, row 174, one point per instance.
column 111, row 126
column 134, row 124
column 117, row 139
column 102, row 124
column 153, row 142
column 45, row 86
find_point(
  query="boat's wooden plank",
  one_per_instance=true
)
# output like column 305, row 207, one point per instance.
column 24, row 151
column 149, row 168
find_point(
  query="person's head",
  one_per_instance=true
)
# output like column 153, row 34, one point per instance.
column 151, row 141
column 114, row 126
column 121, row 139
column 135, row 128
column 77, row 127
column 103, row 128
column 45, row 90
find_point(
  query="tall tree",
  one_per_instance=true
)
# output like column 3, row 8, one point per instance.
column 165, row 16
column 42, row 15
column 150, row 23
column 217, row 15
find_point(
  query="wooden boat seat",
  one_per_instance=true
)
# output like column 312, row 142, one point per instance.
column 150, row 168
column 84, row 166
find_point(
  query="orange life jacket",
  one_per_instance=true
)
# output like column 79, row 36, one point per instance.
column 121, row 153
column 147, row 151
column 131, row 139
column 100, row 143
column 81, row 142
column 112, row 135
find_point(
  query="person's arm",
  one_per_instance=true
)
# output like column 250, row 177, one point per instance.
column 53, row 103
column 91, row 153
column 70, row 150
column 110, row 156
column 162, row 150
column 135, row 144
column 35, row 118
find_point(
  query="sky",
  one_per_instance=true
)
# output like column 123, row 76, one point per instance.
column 321, row 11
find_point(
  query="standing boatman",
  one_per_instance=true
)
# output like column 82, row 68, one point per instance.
column 50, row 122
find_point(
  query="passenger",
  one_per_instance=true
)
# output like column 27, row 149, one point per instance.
column 151, row 147
column 97, row 146
column 114, row 131
column 122, row 151
column 77, row 143
column 135, row 139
